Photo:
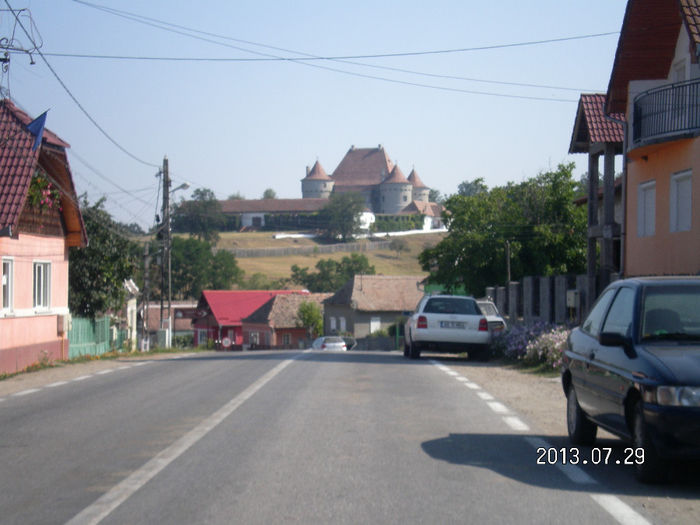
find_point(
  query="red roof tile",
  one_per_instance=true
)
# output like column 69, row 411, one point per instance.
column 592, row 126
column 414, row 179
column 281, row 310
column 362, row 167
column 317, row 172
column 396, row 177
column 230, row 307
column 647, row 44
column 379, row 293
column 18, row 163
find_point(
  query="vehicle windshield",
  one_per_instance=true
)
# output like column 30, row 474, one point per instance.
column 451, row 305
column 671, row 313
column 333, row 340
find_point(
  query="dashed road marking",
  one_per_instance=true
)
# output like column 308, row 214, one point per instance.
column 618, row 509
column 81, row 378
column 57, row 383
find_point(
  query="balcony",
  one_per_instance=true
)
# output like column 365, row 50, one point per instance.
column 666, row 113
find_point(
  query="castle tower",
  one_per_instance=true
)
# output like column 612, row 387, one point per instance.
column 395, row 192
column 420, row 191
column 317, row 184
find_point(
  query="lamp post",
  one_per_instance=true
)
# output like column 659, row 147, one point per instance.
column 167, row 240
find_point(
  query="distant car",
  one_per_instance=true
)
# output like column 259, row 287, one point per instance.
column 447, row 323
column 330, row 343
column 496, row 323
column 633, row 368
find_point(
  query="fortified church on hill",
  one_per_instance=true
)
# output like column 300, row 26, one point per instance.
column 367, row 171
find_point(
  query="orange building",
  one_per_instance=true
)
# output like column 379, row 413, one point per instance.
column 656, row 82
column 39, row 220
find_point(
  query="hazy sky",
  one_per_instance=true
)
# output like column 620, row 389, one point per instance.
column 246, row 125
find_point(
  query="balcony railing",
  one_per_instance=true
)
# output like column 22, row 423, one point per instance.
column 667, row 112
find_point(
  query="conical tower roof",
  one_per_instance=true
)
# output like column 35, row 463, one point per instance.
column 317, row 172
column 414, row 179
column 396, row 177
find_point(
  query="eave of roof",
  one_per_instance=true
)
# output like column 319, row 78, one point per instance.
column 592, row 126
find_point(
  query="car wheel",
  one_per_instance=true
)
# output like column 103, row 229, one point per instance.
column 406, row 349
column 479, row 354
column 651, row 469
column 413, row 351
column 582, row 431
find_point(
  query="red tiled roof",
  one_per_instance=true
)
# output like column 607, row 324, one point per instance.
column 18, row 163
column 281, row 310
column 396, row 177
column 647, row 44
column 414, row 179
column 317, row 172
column 362, row 167
column 592, row 126
column 272, row 205
column 230, row 307
column 380, row 293
column 429, row 209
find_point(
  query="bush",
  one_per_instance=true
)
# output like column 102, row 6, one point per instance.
column 548, row 347
column 538, row 343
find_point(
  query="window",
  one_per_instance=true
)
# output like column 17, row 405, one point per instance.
column 254, row 338
column 7, row 283
column 681, row 205
column 287, row 339
column 375, row 324
column 646, row 209
column 42, row 285
column 592, row 323
column 332, row 323
column 342, row 324
column 619, row 320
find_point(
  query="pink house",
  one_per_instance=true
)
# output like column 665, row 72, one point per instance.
column 39, row 220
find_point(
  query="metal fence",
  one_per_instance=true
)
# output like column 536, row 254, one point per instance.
column 667, row 110
column 88, row 337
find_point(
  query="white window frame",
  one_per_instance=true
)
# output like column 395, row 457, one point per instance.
column 8, row 284
column 375, row 324
column 331, row 322
column 681, row 200
column 343, row 327
column 41, row 285
column 646, row 215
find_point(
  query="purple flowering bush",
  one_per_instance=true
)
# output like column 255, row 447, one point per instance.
column 533, row 344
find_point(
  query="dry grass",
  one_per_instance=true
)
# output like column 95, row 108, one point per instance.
column 385, row 262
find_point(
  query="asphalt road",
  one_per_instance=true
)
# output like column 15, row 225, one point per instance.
column 280, row 437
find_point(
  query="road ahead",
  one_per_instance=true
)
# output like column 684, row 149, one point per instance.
column 271, row 437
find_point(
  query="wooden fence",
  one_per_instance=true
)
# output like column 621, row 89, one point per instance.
column 88, row 337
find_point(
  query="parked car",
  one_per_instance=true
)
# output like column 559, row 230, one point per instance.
column 329, row 343
column 447, row 323
column 496, row 323
column 633, row 368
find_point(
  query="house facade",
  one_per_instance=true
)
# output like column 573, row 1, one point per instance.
column 655, row 82
column 220, row 314
column 369, row 303
column 275, row 324
column 39, row 221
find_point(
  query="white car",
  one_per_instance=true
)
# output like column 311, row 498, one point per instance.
column 330, row 343
column 497, row 324
column 447, row 323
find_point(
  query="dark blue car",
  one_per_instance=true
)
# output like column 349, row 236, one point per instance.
column 633, row 368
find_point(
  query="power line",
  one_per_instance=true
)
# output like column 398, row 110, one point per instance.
column 70, row 94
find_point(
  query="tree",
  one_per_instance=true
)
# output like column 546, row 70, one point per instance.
column 331, row 274
column 475, row 187
column 434, row 196
column 269, row 193
column 310, row 317
column 236, row 196
column 200, row 216
column 97, row 272
column 195, row 268
column 341, row 216
column 545, row 230
column 398, row 245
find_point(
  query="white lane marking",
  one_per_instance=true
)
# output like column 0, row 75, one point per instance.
column 452, row 373
column 2, row 399
column 81, row 378
column 141, row 363
column 103, row 372
column 57, row 383
column 26, row 392
column 473, row 386
column 462, row 379
column 498, row 407
column 516, row 423
column 619, row 510
column 485, row 396
column 125, row 367
column 109, row 501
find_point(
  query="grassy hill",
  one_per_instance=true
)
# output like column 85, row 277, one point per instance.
column 386, row 262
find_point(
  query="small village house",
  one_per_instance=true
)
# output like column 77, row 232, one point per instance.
column 39, row 221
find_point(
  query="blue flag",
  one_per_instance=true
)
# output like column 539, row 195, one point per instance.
column 36, row 128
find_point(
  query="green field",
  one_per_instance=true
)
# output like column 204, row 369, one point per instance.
column 385, row 262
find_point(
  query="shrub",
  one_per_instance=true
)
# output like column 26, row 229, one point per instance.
column 538, row 343
column 548, row 347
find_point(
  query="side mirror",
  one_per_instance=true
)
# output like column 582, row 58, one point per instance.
column 616, row 339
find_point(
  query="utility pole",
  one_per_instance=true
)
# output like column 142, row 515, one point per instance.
column 145, row 340
column 508, row 262
column 165, row 233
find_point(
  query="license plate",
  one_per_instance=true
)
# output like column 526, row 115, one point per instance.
column 451, row 324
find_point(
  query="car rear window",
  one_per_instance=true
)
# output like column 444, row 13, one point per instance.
column 451, row 305
column 333, row 340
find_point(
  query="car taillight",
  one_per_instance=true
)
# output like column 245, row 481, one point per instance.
column 483, row 325
column 323, row 346
column 422, row 322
